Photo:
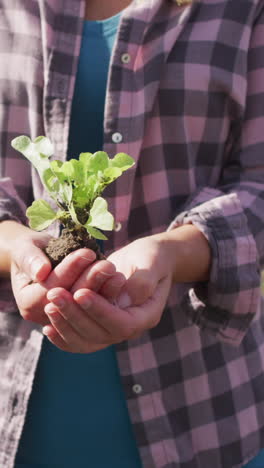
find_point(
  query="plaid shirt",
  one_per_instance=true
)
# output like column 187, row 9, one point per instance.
column 185, row 98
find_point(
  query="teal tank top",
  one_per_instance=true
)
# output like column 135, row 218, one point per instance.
column 77, row 414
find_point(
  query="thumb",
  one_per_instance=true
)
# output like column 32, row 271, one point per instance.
column 138, row 288
column 32, row 261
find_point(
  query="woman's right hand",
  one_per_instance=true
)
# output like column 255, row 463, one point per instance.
column 32, row 276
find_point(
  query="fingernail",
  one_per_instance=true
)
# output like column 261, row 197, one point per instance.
column 89, row 258
column 53, row 315
column 84, row 302
column 35, row 266
column 58, row 301
column 124, row 301
column 105, row 273
column 45, row 330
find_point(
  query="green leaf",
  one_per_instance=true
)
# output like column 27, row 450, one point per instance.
column 73, row 214
column 40, row 146
column 73, row 170
column 99, row 161
column 85, row 194
column 56, row 169
column 95, row 233
column 43, row 146
column 75, row 185
column 63, row 172
column 80, row 196
column 84, row 158
column 65, row 191
column 123, row 161
column 111, row 174
column 120, row 163
column 100, row 217
column 51, row 182
column 84, row 161
column 37, row 152
column 40, row 215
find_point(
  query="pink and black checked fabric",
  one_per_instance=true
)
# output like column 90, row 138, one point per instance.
column 190, row 108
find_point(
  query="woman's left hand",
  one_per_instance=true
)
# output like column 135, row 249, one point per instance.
column 88, row 321
column 85, row 321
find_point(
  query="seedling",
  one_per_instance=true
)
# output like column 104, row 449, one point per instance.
column 76, row 187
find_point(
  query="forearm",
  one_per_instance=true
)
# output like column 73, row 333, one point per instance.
column 188, row 253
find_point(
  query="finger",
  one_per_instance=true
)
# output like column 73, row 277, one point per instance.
column 95, row 276
column 68, row 338
column 87, row 328
column 149, row 314
column 19, row 277
column 66, row 332
column 31, row 304
column 68, row 271
column 53, row 336
column 112, row 288
column 119, row 323
column 31, row 260
column 30, row 298
column 139, row 287
column 124, row 324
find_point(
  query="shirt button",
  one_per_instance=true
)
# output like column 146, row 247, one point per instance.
column 125, row 58
column 137, row 389
column 118, row 227
column 117, row 137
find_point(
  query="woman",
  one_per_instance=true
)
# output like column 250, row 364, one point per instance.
column 183, row 94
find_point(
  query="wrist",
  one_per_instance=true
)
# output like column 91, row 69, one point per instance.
column 188, row 253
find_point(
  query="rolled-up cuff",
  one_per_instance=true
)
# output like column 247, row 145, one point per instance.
column 228, row 301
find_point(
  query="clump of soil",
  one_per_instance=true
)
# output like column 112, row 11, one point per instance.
column 70, row 240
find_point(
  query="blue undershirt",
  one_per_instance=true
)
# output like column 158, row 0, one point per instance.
column 77, row 414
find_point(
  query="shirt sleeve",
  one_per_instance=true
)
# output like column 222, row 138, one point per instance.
column 11, row 205
column 231, row 216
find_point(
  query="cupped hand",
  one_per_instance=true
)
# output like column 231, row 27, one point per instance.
column 101, row 276
column 86, row 322
column 145, row 263
column 32, row 276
